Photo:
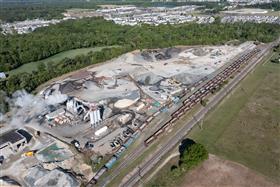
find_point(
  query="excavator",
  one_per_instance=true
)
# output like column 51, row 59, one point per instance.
column 30, row 153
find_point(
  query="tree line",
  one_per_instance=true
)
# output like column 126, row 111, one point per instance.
column 29, row 81
column 276, row 58
column 191, row 156
column 17, row 50
column 50, row 9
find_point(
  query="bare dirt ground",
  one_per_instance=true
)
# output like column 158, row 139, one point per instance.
column 202, row 60
column 216, row 172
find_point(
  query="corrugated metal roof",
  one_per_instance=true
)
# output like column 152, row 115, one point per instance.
column 11, row 136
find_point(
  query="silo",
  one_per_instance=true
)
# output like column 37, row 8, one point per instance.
column 91, row 115
column 95, row 117
column 98, row 115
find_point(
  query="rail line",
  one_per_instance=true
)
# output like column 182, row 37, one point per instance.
column 188, row 102
column 145, row 167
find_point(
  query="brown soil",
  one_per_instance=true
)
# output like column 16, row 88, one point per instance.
column 216, row 172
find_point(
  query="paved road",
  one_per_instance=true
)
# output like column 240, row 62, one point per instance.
column 181, row 133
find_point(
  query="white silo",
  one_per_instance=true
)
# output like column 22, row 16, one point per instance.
column 95, row 117
column 91, row 116
column 98, row 115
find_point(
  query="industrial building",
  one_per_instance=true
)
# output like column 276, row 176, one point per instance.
column 14, row 141
column 101, row 111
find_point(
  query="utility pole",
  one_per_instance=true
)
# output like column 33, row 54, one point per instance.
column 244, row 91
column 200, row 124
column 195, row 119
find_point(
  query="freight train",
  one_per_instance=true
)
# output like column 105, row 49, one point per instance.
column 114, row 158
column 188, row 103
column 197, row 96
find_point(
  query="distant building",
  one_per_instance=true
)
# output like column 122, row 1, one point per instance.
column 14, row 140
column 2, row 75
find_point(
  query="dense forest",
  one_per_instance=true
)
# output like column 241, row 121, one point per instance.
column 29, row 81
column 49, row 9
column 20, row 13
column 21, row 10
column 44, row 42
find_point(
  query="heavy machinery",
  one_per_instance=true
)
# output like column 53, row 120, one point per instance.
column 30, row 153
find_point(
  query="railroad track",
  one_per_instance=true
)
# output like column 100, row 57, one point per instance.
column 149, row 164
column 142, row 147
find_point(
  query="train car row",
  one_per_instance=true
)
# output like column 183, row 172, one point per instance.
column 150, row 118
column 187, row 105
column 115, row 157
column 201, row 93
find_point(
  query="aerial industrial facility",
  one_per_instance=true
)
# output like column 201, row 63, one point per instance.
column 103, row 109
column 116, row 98
column 111, row 123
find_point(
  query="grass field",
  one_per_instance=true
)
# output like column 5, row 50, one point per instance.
column 245, row 127
column 222, row 172
column 161, row 178
column 151, row 149
column 32, row 66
